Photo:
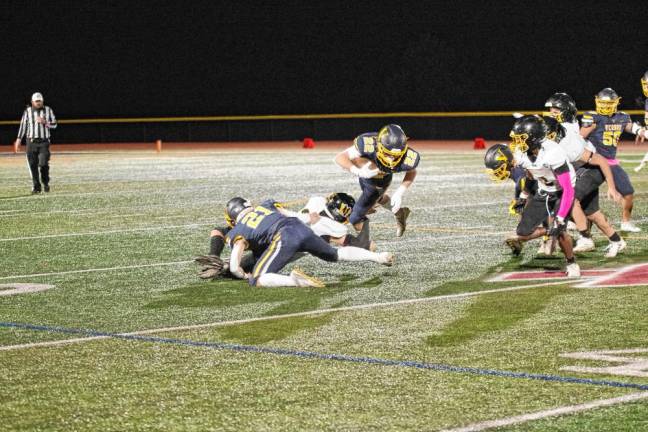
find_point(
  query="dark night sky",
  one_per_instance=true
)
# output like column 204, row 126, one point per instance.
column 132, row 58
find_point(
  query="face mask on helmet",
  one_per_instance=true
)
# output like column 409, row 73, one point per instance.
column 607, row 102
column 340, row 205
column 562, row 107
column 391, row 145
column 644, row 84
column 519, row 142
column 498, row 160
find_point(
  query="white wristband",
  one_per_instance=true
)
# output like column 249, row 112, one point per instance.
column 635, row 128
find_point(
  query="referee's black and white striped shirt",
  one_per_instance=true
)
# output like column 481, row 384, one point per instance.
column 31, row 128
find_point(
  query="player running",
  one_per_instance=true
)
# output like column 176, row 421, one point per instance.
column 546, row 162
column 385, row 153
column 591, row 171
column 604, row 127
column 275, row 238
column 644, row 88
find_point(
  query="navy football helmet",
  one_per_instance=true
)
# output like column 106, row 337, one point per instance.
column 391, row 145
column 233, row 209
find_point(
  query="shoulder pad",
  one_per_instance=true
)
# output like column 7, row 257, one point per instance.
column 365, row 144
column 411, row 159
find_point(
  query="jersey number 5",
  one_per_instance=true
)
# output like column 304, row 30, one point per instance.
column 611, row 138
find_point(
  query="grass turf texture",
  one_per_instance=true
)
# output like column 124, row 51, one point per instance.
column 111, row 210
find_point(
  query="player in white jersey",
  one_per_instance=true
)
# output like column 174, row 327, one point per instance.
column 547, row 163
column 591, row 171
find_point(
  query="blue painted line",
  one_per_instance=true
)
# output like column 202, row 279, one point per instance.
column 324, row 356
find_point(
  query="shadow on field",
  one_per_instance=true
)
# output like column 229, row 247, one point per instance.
column 227, row 293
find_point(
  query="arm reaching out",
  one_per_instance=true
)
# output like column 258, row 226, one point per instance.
column 235, row 259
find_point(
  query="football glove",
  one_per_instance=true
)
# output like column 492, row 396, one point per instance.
column 516, row 206
column 557, row 227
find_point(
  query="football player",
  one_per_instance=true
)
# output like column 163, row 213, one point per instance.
column 275, row 238
column 385, row 152
column 644, row 88
column 604, row 127
column 326, row 216
column 591, row 171
column 547, row 163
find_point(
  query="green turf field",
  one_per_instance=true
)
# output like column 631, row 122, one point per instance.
column 150, row 347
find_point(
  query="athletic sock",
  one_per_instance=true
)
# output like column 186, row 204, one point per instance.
column 275, row 280
column 216, row 245
column 351, row 253
column 586, row 233
column 615, row 237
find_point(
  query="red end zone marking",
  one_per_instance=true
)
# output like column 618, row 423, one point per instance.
column 634, row 275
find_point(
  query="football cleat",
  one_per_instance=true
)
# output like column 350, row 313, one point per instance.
column 584, row 244
column 614, row 248
column 573, row 270
column 401, row 220
column 386, row 258
column 515, row 244
column 301, row 279
column 630, row 227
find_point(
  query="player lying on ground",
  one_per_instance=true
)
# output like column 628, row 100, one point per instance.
column 374, row 158
column 275, row 238
column 604, row 128
column 327, row 216
column 546, row 162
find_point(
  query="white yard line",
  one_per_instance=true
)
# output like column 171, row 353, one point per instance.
column 284, row 316
column 567, row 409
column 91, row 233
column 93, row 270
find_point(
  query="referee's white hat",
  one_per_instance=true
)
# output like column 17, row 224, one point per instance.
column 37, row 97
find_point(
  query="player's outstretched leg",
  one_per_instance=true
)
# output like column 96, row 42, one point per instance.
column 350, row 253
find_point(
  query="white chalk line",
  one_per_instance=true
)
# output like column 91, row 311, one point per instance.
column 93, row 270
column 92, row 233
column 284, row 316
column 563, row 410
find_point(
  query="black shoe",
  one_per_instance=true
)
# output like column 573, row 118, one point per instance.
column 35, row 191
column 46, row 188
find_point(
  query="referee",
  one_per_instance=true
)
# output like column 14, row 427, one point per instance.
column 37, row 120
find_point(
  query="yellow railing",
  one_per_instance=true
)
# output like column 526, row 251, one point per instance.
column 437, row 114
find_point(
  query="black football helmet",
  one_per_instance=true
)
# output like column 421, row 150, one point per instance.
column 644, row 84
column 499, row 162
column 566, row 105
column 339, row 205
column 555, row 131
column 607, row 101
column 528, row 133
column 391, row 145
column 233, row 209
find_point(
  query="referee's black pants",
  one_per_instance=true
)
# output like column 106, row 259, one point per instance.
column 38, row 156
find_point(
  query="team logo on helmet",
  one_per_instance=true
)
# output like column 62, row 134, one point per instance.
column 499, row 161
column 391, row 145
column 528, row 133
column 339, row 205
column 234, row 208
column 644, row 84
column 607, row 101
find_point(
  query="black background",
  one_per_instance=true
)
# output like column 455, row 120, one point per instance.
column 139, row 59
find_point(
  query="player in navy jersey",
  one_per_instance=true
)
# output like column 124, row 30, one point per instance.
column 275, row 239
column 386, row 152
column 603, row 128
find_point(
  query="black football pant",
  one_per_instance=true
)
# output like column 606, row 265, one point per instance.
column 38, row 156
